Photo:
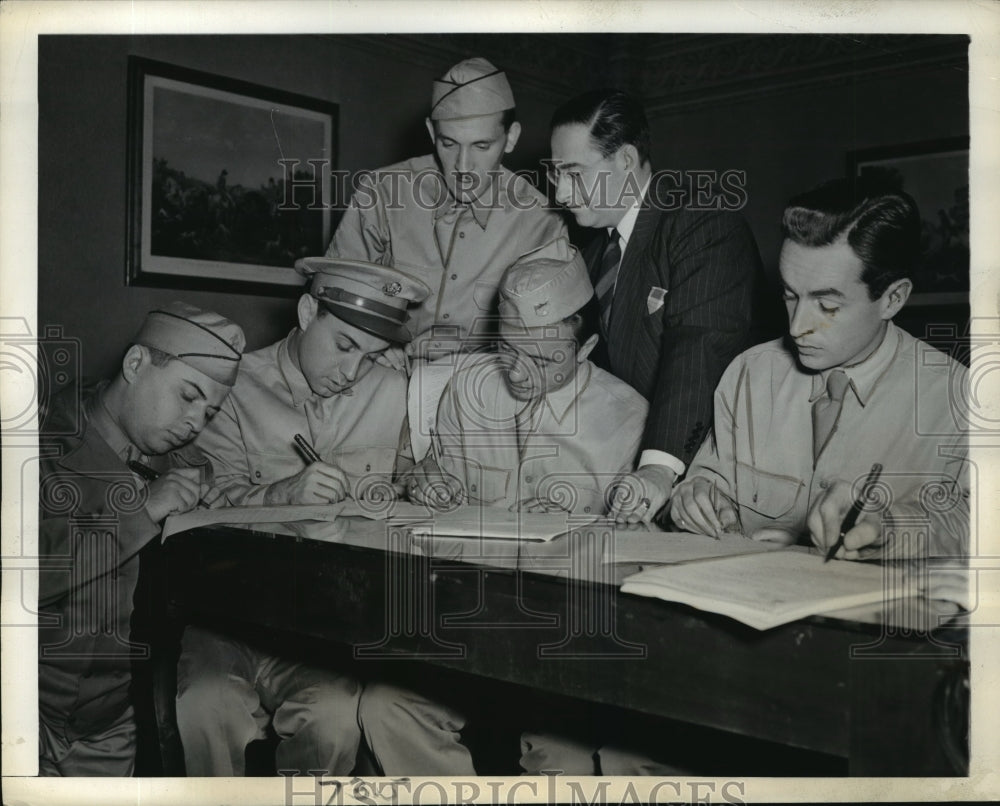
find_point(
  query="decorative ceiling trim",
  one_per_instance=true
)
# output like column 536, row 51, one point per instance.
column 679, row 72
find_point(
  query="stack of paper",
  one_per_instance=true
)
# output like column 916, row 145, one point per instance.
column 765, row 590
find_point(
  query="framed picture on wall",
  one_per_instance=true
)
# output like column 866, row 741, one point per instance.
column 229, row 183
column 936, row 174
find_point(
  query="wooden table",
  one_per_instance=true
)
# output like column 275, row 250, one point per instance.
column 872, row 685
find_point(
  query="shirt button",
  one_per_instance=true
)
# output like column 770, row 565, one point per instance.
column 824, row 484
column 472, row 487
column 454, row 277
column 586, row 509
column 447, row 316
column 529, row 479
column 257, row 474
column 368, row 468
column 461, row 235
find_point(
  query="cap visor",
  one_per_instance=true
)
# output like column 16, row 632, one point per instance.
column 375, row 325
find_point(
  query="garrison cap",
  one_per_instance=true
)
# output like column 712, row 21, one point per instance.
column 544, row 290
column 204, row 340
column 470, row 89
column 369, row 296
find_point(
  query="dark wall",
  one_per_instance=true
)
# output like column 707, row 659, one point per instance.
column 791, row 142
column 82, row 162
column 785, row 143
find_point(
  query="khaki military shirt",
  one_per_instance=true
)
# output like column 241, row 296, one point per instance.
column 392, row 219
column 250, row 442
column 902, row 409
column 567, row 447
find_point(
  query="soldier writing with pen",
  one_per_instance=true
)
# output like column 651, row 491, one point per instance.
column 322, row 385
column 799, row 423
column 172, row 380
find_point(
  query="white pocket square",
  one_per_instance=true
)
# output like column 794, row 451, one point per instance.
column 655, row 299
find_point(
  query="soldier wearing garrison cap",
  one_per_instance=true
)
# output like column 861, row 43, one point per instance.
column 455, row 219
column 322, row 382
column 518, row 429
column 175, row 376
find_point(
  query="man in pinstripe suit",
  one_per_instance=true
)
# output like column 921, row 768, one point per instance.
column 673, row 283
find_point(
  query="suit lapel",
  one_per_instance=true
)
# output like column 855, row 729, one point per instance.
column 631, row 290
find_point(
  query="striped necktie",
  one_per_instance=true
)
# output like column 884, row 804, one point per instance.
column 826, row 410
column 604, row 288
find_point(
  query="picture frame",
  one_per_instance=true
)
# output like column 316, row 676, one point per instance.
column 229, row 182
column 936, row 174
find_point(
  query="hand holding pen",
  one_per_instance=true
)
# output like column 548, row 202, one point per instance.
column 318, row 483
column 833, row 521
column 429, row 484
column 698, row 506
column 177, row 490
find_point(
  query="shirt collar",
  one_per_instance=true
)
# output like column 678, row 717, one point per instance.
column 627, row 224
column 560, row 400
column 110, row 431
column 495, row 197
column 864, row 376
column 294, row 379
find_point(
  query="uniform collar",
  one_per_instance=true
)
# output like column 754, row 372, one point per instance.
column 102, row 420
column 864, row 376
column 496, row 197
column 560, row 401
column 294, row 379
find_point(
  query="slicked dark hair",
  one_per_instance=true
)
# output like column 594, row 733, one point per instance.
column 613, row 118
column 881, row 224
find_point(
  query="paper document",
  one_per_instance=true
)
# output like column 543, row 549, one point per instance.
column 498, row 523
column 654, row 546
column 764, row 590
column 292, row 513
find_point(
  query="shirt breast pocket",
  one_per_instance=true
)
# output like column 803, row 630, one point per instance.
column 485, row 296
column 485, row 484
column 267, row 468
column 365, row 460
column 772, row 495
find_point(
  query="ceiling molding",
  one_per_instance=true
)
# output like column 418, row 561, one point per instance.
column 679, row 72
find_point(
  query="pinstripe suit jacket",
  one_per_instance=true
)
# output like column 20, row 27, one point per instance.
column 708, row 263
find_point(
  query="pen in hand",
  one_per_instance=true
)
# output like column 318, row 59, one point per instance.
column 852, row 516
column 147, row 474
column 144, row 472
column 308, row 451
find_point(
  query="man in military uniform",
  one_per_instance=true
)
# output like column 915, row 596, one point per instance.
column 455, row 219
column 537, row 427
column 97, row 514
column 321, row 382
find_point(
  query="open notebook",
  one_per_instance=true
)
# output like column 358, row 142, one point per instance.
column 764, row 590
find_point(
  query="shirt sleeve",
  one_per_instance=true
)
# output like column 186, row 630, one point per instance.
column 716, row 458
column 363, row 232
column 222, row 443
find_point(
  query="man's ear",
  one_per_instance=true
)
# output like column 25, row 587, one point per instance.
column 895, row 297
column 628, row 156
column 430, row 130
column 586, row 348
column 308, row 308
column 513, row 134
column 136, row 356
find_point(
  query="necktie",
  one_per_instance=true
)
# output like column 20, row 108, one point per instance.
column 826, row 409
column 604, row 288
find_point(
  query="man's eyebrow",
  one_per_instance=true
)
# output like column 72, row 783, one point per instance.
column 826, row 292
column 197, row 388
